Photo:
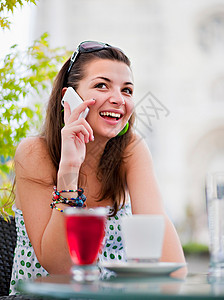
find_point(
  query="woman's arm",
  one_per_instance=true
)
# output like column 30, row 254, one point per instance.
column 35, row 175
column 146, row 198
column 34, row 186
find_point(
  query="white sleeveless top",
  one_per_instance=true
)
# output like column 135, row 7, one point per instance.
column 26, row 265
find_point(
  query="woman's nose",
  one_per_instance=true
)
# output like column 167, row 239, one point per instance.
column 117, row 98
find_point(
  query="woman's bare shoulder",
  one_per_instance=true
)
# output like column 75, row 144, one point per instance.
column 137, row 145
column 32, row 158
column 30, row 147
column 137, row 152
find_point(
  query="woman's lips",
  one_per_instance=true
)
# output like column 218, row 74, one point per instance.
column 111, row 116
column 109, row 120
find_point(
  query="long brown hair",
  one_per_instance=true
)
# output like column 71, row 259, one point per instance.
column 110, row 170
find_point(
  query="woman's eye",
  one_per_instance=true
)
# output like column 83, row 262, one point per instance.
column 128, row 91
column 101, row 86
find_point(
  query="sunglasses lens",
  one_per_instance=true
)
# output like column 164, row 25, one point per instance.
column 91, row 46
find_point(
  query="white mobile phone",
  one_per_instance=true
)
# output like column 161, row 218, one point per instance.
column 74, row 100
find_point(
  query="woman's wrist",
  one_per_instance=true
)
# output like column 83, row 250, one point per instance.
column 68, row 166
column 67, row 177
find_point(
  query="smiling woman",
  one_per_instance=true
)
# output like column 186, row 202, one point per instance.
column 100, row 155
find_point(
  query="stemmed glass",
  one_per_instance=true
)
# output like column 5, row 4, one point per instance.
column 85, row 230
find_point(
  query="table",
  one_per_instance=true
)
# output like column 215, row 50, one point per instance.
column 194, row 286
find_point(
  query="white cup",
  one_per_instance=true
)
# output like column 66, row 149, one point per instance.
column 143, row 237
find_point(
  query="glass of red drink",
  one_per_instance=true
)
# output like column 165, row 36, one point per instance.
column 85, row 230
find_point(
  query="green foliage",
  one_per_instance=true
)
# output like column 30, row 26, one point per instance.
column 195, row 248
column 9, row 6
column 24, row 76
column 6, row 199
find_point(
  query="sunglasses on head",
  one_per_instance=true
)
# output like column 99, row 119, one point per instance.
column 86, row 47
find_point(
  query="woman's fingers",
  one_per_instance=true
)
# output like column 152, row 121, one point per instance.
column 77, row 128
column 82, row 133
column 88, row 128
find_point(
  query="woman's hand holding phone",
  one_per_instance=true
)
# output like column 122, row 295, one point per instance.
column 76, row 132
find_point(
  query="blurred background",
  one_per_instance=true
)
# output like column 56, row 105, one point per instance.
column 177, row 53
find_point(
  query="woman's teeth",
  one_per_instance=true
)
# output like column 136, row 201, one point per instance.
column 110, row 114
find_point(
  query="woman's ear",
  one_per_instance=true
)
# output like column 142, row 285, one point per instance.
column 63, row 91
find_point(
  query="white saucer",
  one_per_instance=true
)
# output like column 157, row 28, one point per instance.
column 158, row 268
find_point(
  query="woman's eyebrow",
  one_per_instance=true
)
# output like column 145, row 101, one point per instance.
column 108, row 80
column 101, row 77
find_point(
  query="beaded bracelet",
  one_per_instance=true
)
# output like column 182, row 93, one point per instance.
column 74, row 202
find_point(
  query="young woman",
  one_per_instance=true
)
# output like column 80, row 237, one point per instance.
column 100, row 154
